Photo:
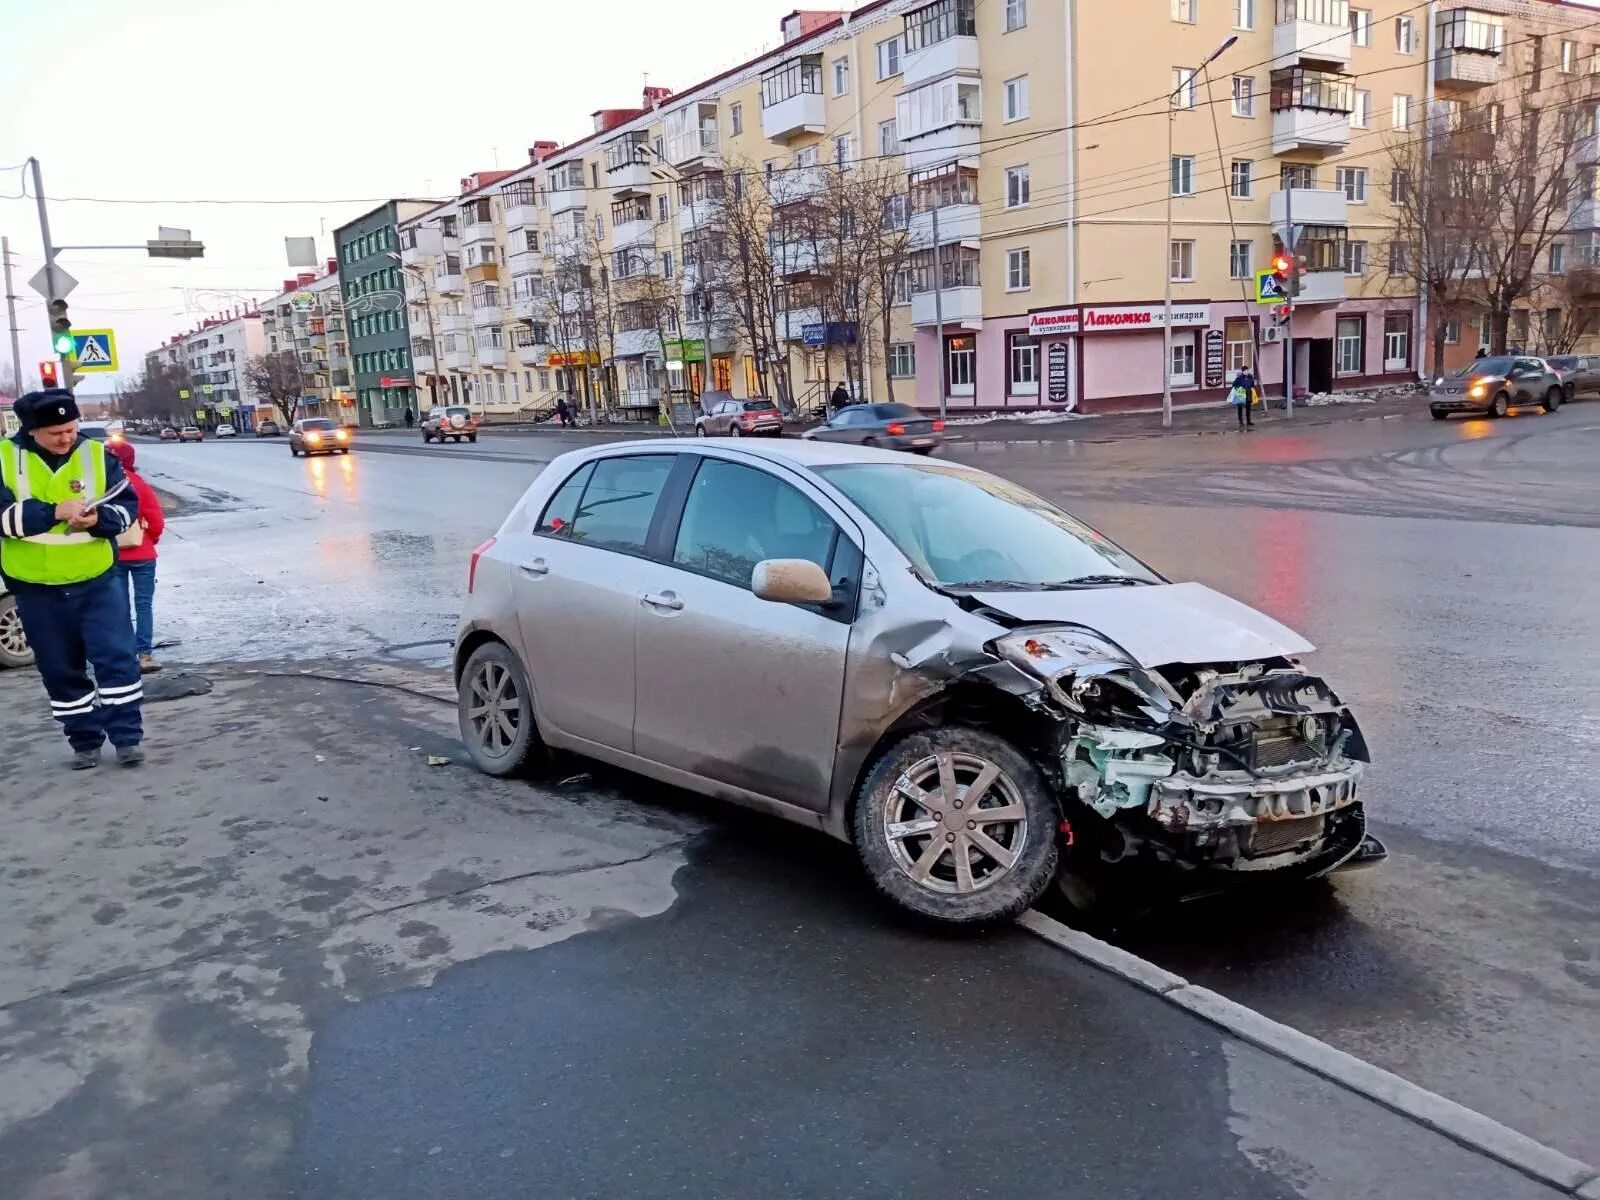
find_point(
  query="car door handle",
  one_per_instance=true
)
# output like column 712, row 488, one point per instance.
column 663, row 600
column 537, row 566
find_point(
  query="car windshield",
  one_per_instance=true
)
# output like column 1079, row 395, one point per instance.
column 317, row 423
column 93, row 432
column 1564, row 362
column 1483, row 366
column 964, row 528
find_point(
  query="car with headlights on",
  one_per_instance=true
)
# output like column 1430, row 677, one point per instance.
column 1493, row 386
column 976, row 690
column 318, row 435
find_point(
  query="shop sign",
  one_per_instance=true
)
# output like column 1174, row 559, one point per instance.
column 578, row 358
column 1053, row 322
column 1055, row 373
column 1122, row 317
column 1214, row 359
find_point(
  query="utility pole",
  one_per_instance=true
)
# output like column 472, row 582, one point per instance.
column 938, row 305
column 705, row 326
column 49, row 263
column 1166, row 308
column 11, row 314
column 1294, row 287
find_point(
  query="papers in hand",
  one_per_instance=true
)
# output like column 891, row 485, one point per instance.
column 111, row 493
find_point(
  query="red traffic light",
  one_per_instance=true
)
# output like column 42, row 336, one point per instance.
column 1280, row 264
column 47, row 373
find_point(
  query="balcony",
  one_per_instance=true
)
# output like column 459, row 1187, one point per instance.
column 957, row 223
column 425, row 242
column 1312, row 206
column 1469, row 54
column 520, row 211
column 800, row 258
column 792, row 104
column 1583, row 283
column 490, row 355
column 697, row 213
column 484, row 272
column 955, row 142
column 477, row 231
column 416, row 290
column 696, row 150
column 1320, row 287
column 1309, row 131
column 527, row 308
column 639, row 231
column 532, row 354
column 941, row 39
column 633, row 178
column 447, row 282
column 791, row 185
column 453, row 323
column 424, row 362
column 636, row 343
column 457, row 358
column 1467, row 70
column 1305, row 32
column 791, row 322
column 959, row 306
column 487, row 314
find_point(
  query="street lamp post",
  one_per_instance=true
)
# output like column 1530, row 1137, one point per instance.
column 1166, row 321
column 421, row 277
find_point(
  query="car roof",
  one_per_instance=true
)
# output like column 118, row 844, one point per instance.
column 791, row 451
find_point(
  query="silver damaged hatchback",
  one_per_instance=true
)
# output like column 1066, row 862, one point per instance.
column 976, row 690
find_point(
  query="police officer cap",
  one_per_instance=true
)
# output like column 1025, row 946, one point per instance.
column 41, row 410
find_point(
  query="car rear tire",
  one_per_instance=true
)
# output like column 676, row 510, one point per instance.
column 1551, row 401
column 494, row 708
column 293, row 453
column 735, row 431
column 921, row 845
column 1500, row 406
column 473, row 438
column 1437, row 415
column 700, row 430
column 14, row 649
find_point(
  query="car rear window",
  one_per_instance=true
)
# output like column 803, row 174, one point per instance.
column 759, row 406
column 894, row 412
column 458, row 412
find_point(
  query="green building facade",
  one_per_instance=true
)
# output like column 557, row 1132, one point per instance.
column 375, row 312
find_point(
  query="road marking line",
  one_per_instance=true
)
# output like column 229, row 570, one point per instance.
column 1457, row 1122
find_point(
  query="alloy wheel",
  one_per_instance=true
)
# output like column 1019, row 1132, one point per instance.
column 13, row 641
column 955, row 823
column 495, row 709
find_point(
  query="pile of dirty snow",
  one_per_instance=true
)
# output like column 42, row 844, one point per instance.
column 1041, row 416
column 1319, row 398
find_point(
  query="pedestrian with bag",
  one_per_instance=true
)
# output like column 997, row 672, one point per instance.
column 841, row 397
column 63, row 501
column 1243, row 398
column 136, row 557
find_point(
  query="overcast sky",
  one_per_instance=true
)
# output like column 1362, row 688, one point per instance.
column 178, row 99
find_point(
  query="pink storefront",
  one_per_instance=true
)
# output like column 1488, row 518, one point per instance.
column 1107, row 357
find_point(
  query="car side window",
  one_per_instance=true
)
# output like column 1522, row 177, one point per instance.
column 560, row 509
column 619, row 501
column 736, row 516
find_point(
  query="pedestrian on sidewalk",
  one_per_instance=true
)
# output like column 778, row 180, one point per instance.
column 841, row 397
column 1243, row 398
column 136, row 557
column 63, row 501
column 411, row 418
column 563, row 412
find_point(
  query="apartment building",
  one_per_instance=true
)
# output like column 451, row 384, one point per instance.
column 215, row 355
column 306, row 319
column 376, row 319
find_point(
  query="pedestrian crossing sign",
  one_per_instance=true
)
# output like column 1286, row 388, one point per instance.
column 95, row 349
column 1269, row 288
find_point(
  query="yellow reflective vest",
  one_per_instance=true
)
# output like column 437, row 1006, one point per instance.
column 63, row 555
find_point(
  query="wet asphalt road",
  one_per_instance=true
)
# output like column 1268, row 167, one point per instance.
column 1448, row 572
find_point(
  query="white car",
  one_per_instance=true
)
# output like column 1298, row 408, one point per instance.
column 14, row 650
column 227, row 431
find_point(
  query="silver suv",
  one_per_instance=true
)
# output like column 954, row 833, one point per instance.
column 450, row 422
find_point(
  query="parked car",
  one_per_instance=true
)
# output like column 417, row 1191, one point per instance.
column 317, row 435
column 97, row 431
column 890, row 426
column 450, row 422
column 723, row 416
column 227, row 431
column 1494, row 386
column 169, row 434
column 14, row 649
column 191, row 433
column 1579, row 373
column 966, row 683
column 268, row 428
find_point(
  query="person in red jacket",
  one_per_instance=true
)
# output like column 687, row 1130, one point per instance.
column 136, row 555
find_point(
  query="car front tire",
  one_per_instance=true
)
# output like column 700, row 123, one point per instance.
column 1500, row 406
column 494, row 708
column 14, row 650
column 1437, row 415
column 1552, row 400
column 957, row 826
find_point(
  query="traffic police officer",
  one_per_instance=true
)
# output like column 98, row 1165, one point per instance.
column 57, row 553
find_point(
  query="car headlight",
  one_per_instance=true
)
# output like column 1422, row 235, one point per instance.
column 1476, row 391
column 1439, row 382
column 1090, row 675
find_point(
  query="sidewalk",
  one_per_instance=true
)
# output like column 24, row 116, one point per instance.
column 296, row 954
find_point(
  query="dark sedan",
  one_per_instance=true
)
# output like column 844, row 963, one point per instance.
column 1579, row 373
column 889, row 426
column 1492, row 387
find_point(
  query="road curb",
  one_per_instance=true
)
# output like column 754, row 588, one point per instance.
column 1460, row 1124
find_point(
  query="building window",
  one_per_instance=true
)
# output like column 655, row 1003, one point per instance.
column 1350, row 354
column 1297, row 175
column 1244, row 96
column 1355, row 258
column 666, row 264
column 841, row 76
column 1022, row 365
column 1399, row 186
column 1239, row 179
column 1361, row 26
column 1018, row 187
column 1352, row 181
column 736, row 118
column 1016, row 98
column 663, row 207
column 842, row 152
column 1180, row 261
column 1182, row 175
column 1405, row 35
column 889, row 58
column 1361, row 110
column 1569, row 57
column 1019, row 270
column 934, row 23
column 961, row 364
column 902, row 361
column 1402, row 112
column 1244, row 14
column 1452, row 332
column 1241, row 256
column 1238, row 334
column 1397, row 341
column 888, row 139
column 1558, row 258
column 1183, row 87
column 1183, row 364
column 1016, row 15
column 1184, row 10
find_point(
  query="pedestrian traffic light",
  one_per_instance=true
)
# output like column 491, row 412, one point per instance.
column 47, row 373
column 60, row 328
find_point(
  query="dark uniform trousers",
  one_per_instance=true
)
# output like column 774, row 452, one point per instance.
column 70, row 627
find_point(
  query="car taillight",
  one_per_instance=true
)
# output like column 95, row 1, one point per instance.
column 472, row 567
column 895, row 430
column 938, row 426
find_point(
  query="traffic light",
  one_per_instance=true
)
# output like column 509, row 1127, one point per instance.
column 47, row 373
column 1286, row 268
column 60, row 328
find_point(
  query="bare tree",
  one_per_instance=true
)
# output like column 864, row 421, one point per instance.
column 738, row 253
column 568, row 310
column 277, row 377
column 1569, row 301
column 157, row 395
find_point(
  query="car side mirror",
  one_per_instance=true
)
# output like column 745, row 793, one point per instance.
column 791, row 581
